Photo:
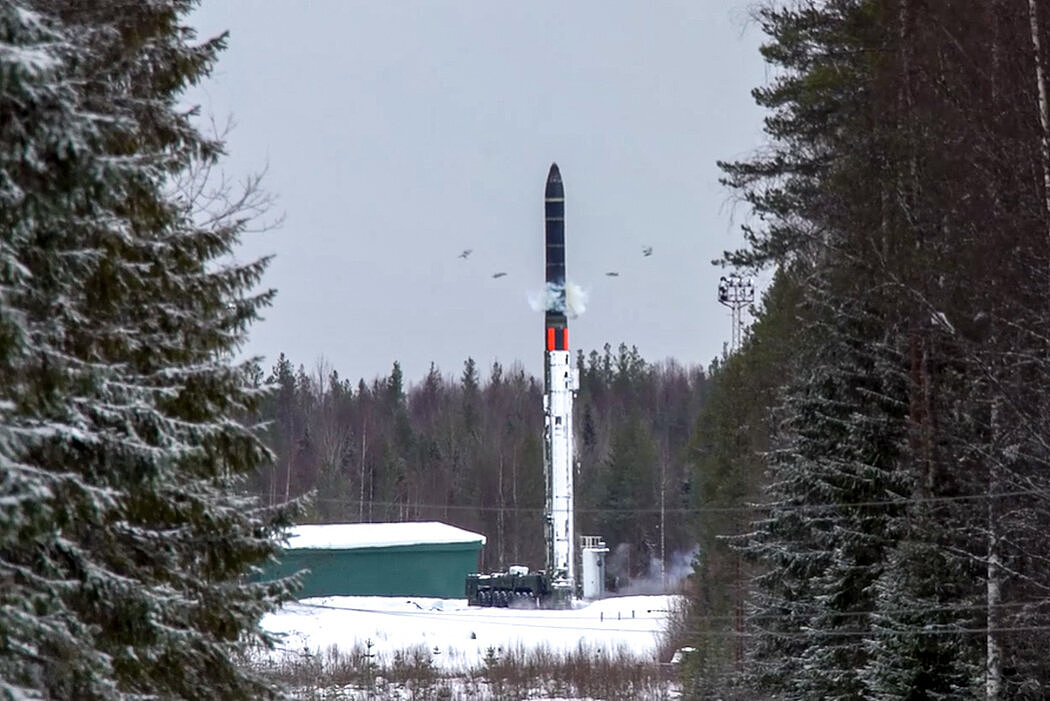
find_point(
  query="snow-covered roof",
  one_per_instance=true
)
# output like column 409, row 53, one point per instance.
column 377, row 535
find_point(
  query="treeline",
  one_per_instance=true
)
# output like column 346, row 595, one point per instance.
column 888, row 419
column 468, row 450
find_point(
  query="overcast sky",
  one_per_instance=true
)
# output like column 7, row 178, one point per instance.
column 399, row 133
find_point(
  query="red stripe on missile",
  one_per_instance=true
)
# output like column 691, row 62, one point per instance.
column 550, row 338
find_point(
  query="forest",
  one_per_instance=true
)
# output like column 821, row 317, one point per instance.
column 872, row 466
column 467, row 451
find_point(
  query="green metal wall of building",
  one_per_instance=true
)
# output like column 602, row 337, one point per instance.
column 430, row 569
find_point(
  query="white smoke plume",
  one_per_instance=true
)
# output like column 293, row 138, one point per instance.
column 679, row 566
column 575, row 299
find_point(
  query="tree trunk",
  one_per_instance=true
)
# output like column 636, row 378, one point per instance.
column 499, row 529
column 663, row 529
column 288, row 480
column 993, row 649
column 1044, row 110
column 361, row 502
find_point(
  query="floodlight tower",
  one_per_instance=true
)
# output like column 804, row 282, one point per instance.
column 736, row 292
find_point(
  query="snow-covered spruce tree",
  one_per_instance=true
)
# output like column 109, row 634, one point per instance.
column 128, row 545
column 726, row 452
column 908, row 156
column 45, row 173
column 1016, row 553
column 963, row 601
column 821, row 191
column 821, row 544
column 919, row 647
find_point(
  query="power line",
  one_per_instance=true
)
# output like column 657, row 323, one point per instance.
column 976, row 608
column 742, row 509
column 876, row 632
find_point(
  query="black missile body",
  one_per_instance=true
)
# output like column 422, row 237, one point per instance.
column 554, row 210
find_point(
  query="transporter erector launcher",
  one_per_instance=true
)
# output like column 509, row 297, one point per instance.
column 560, row 382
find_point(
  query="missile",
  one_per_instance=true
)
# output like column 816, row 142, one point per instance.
column 554, row 213
column 560, row 384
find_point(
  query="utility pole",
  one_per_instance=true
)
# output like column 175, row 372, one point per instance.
column 663, row 536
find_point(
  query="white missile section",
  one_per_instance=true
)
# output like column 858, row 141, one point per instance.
column 562, row 382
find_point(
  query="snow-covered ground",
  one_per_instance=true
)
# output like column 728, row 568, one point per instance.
column 459, row 637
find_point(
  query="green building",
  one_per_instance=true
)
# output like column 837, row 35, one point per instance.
column 380, row 559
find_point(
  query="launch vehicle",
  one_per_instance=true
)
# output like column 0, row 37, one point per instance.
column 556, row 585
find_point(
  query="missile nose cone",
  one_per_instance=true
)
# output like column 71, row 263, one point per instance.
column 554, row 176
column 554, row 186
